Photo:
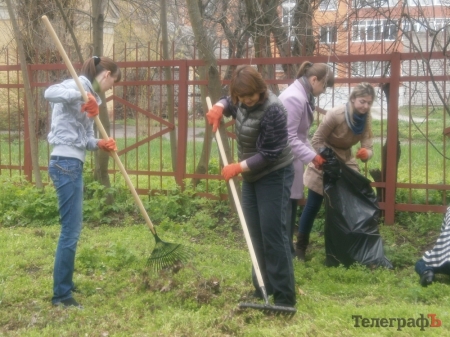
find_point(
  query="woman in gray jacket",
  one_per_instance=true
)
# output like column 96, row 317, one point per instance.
column 299, row 101
column 71, row 134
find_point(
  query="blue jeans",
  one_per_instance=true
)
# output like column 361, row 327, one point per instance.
column 421, row 267
column 312, row 207
column 67, row 176
column 265, row 207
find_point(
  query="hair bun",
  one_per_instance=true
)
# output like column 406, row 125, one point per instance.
column 96, row 60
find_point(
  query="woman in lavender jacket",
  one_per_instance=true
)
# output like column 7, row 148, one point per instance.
column 299, row 101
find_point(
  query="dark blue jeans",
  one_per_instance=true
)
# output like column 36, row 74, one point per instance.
column 292, row 210
column 312, row 207
column 67, row 177
column 265, row 207
column 421, row 267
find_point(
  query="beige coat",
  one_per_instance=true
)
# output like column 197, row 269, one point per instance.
column 334, row 133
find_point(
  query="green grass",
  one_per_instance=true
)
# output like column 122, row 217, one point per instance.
column 123, row 296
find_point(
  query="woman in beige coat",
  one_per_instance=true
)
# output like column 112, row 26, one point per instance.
column 341, row 128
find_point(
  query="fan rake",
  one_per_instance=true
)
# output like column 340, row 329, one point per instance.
column 266, row 307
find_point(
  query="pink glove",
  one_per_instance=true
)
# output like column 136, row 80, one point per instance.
column 231, row 170
column 318, row 161
column 214, row 115
column 91, row 106
column 362, row 154
column 107, row 145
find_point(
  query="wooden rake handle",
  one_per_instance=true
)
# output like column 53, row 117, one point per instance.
column 238, row 205
column 98, row 123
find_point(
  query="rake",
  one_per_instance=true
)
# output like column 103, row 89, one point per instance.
column 266, row 307
column 164, row 254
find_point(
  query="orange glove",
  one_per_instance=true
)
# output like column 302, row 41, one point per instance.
column 214, row 115
column 362, row 154
column 107, row 145
column 231, row 170
column 318, row 161
column 91, row 106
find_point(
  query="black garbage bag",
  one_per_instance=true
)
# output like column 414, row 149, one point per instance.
column 351, row 217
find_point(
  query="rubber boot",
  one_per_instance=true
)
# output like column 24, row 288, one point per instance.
column 301, row 245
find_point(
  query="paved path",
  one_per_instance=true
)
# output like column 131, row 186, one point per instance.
column 376, row 114
column 119, row 132
column 131, row 130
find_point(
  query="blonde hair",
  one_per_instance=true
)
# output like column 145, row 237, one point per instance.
column 360, row 90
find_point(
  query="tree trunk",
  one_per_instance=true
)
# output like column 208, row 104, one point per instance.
column 101, row 157
column 206, row 51
column 260, row 14
column 169, row 87
column 303, row 28
column 70, row 28
column 28, row 96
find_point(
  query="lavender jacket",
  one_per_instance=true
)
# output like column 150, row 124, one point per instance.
column 300, row 117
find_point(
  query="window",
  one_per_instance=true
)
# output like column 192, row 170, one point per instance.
column 328, row 34
column 369, row 69
column 328, row 5
column 427, row 2
column 374, row 30
column 424, row 25
column 371, row 3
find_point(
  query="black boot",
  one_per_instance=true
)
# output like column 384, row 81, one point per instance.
column 301, row 245
column 426, row 278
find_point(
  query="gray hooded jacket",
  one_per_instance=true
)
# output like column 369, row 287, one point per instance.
column 72, row 131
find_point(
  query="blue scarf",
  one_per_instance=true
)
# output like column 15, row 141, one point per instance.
column 359, row 121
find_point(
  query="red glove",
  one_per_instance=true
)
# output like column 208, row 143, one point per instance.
column 91, row 106
column 107, row 145
column 362, row 154
column 318, row 161
column 214, row 115
column 231, row 170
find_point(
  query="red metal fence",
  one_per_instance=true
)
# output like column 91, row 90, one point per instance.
column 408, row 116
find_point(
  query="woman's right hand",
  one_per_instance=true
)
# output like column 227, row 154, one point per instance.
column 214, row 115
column 362, row 154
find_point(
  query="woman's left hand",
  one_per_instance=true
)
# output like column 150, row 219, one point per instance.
column 107, row 145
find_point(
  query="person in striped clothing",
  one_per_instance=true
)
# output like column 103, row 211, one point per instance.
column 436, row 260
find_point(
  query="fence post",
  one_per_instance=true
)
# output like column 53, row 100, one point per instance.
column 182, row 123
column 392, row 140
column 27, row 162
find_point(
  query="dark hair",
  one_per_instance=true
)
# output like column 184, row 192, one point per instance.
column 246, row 80
column 321, row 70
column 95, row 65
